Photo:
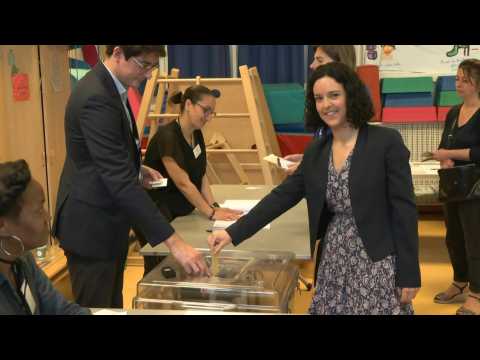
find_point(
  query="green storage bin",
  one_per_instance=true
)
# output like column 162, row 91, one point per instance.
column 286, row 103
column 448, row 98
column 407, row 85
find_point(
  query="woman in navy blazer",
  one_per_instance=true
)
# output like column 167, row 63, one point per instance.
column 358, row 187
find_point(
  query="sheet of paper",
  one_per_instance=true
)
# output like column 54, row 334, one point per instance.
column 243, row 205
column 278, row 161
column 215, row 266
column 285, row 164
column 159, row 183
column 425, row 168
column 110, row 312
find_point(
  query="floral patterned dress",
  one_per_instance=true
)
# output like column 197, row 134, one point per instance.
column 348, row 281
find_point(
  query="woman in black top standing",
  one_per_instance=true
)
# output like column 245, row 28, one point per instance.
column 178, row 152
column 462, row 218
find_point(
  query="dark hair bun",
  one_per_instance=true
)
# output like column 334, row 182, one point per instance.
column 215, row 93
column 14, row 179
column 176, row 98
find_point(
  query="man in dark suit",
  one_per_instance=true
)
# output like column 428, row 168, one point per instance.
column 100, row 197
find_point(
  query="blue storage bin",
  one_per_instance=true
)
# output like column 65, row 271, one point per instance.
column 446, row 83
column 295, row 128
column 408, row 100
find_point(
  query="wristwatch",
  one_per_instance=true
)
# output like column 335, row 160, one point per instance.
column 212, row 215
column 215, row 205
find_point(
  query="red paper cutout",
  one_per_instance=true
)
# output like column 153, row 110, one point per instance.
column 20, row 87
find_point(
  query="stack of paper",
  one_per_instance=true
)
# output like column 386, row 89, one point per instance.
column 242, row 205
column 278, row 161
column 425, row 168
column 110, row 312
column 159, row 183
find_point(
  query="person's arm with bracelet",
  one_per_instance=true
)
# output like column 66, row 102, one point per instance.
column 189, row 190
column 447, row 156
column 208, row 196
column 447, row 163
column 471, row 154
column 207, row 192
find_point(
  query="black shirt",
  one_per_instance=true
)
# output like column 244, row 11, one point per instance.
column 466, row 136
column 169, row 141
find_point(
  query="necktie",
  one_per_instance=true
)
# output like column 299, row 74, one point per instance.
column 133, row 124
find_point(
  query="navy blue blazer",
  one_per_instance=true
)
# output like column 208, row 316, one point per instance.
column 382, row 198
column 48, row 300
column 100, row 197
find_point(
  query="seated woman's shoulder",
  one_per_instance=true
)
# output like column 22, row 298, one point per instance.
column 166, row 131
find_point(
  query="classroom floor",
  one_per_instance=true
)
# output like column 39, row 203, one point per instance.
column 435, row 268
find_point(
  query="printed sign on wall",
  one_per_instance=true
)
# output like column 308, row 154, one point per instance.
column 431, row 59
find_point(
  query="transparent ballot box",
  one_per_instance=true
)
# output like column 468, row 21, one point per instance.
column 244, row 282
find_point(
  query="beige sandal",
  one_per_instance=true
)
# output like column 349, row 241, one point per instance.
column 464, row 311
column 443, row 298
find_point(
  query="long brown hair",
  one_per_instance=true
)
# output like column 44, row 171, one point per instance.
column 341, row 53
column 471, row 69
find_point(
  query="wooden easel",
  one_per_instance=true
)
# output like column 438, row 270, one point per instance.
column 148, row 121
column 241, row 134
column 219, row 142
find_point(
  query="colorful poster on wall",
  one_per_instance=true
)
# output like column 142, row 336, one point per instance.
column 419, row 59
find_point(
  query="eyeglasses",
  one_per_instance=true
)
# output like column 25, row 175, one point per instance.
column 207, row 111
column 146, row 66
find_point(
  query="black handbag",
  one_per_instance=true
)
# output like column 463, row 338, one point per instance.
column 459, row 183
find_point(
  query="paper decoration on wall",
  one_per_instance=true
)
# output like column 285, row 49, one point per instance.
column 456, row 48
column 20, row 84
column 21, row 91
column 419, row 59
column 388, row 52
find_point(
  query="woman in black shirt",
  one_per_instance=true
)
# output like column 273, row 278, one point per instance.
column 178, row 152
column 462, row 218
